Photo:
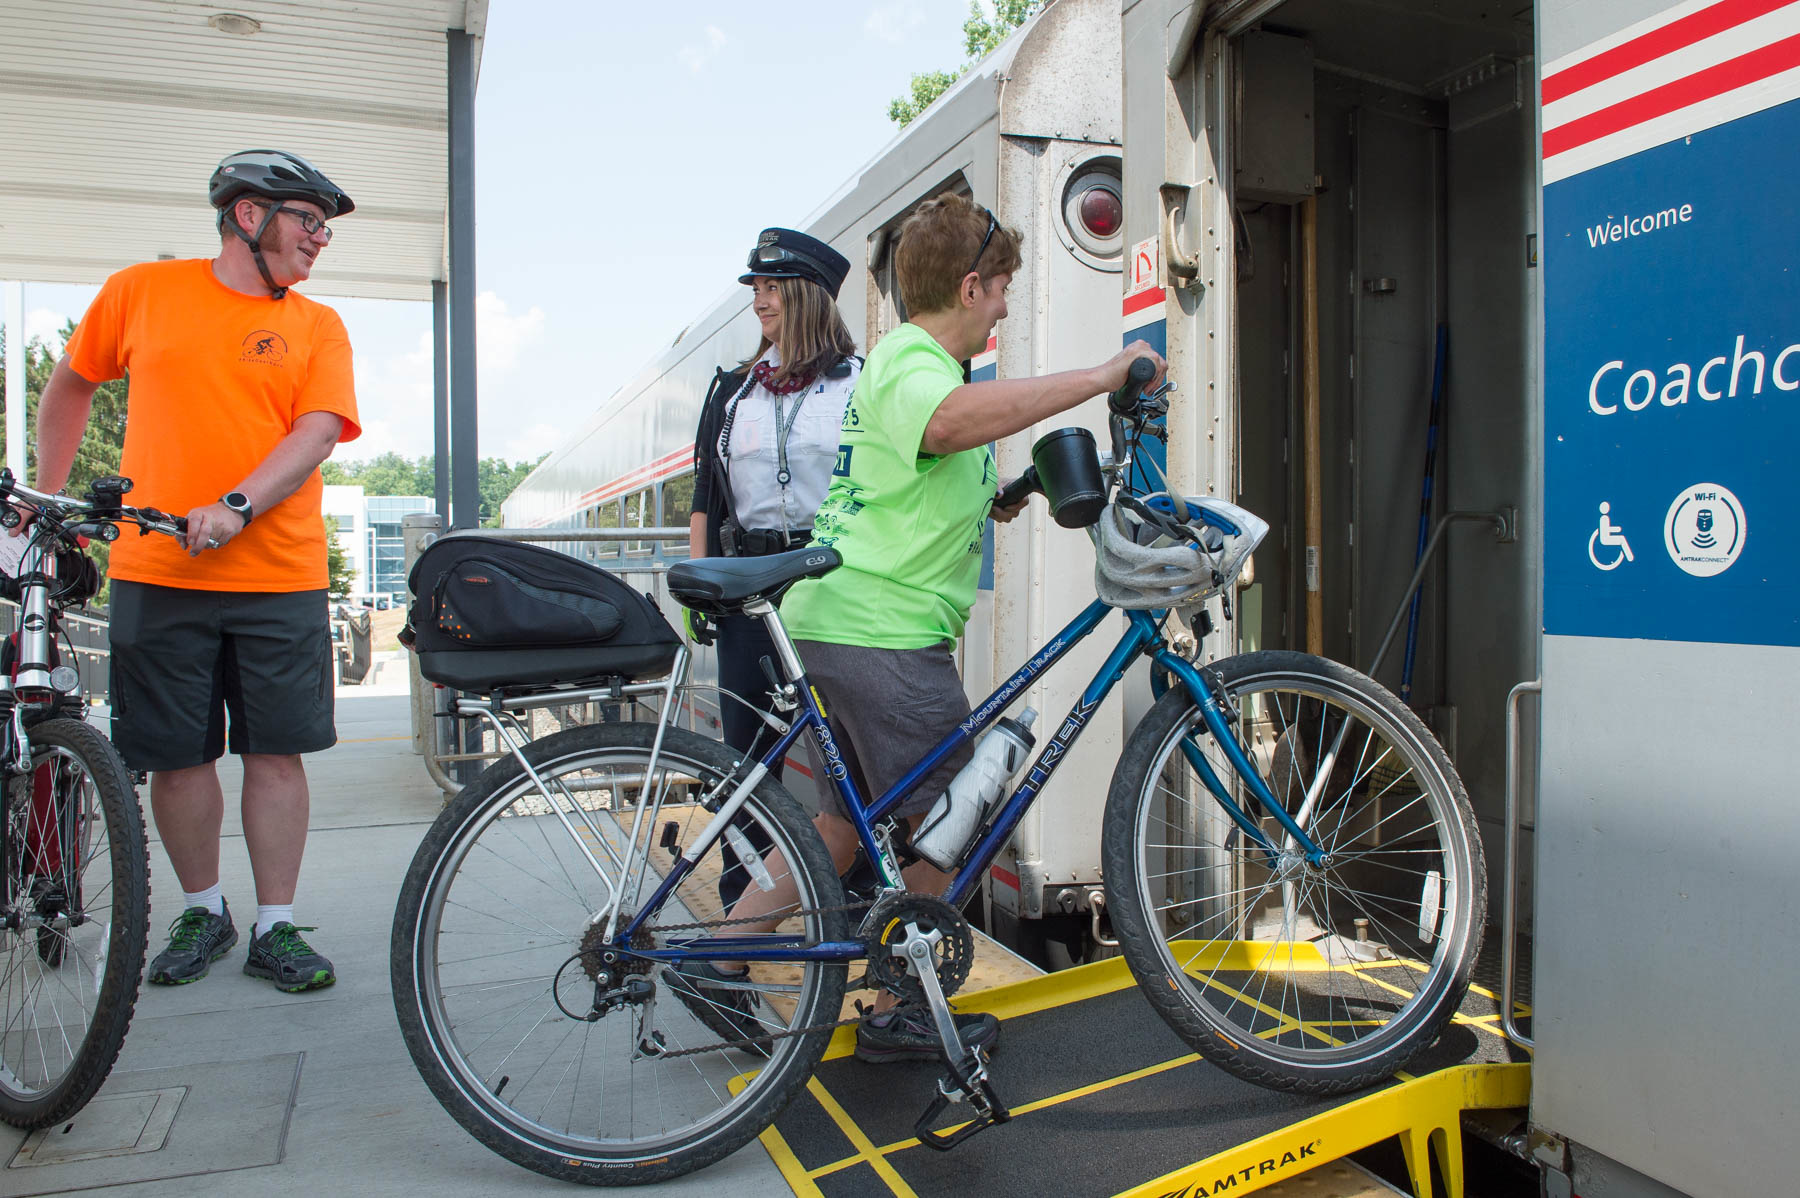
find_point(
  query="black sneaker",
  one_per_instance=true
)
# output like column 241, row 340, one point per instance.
column 707, row 992
column 197, row 938
column 285, row 959
column 910, row 1034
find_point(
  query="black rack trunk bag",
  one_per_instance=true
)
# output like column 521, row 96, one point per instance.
column 491, row 615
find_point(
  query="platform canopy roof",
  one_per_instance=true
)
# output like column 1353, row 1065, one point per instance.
column 113, row 114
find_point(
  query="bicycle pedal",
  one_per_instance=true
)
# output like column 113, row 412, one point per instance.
column 989, row 1111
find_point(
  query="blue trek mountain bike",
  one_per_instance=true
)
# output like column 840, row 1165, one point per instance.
column 1291, row 863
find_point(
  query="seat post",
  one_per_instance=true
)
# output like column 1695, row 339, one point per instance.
column 763, row 610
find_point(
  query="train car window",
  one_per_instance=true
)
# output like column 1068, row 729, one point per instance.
column 886, row 311
column 606, row 515
column 640, row 508
column 677, row 507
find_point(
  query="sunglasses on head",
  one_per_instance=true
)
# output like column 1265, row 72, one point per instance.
column 985, row 238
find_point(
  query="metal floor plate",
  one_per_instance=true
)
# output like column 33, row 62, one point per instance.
column 154, row 1124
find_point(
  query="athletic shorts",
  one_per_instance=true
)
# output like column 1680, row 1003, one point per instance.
column 195, row 671
column 888, row 708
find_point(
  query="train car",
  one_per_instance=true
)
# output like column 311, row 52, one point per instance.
column 1530, row 263
column 1033, row 133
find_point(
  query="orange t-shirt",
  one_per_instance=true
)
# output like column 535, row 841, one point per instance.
column 217, row 379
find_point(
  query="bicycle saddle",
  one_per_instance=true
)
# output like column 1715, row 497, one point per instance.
column 723, row 585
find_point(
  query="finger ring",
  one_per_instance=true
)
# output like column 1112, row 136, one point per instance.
column 212, row 542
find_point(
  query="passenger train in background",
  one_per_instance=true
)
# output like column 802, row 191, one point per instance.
column 1033, row 133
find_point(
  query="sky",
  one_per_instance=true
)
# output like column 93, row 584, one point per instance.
column 626, row 157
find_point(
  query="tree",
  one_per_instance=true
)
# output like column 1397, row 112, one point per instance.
column 391, row 474
column 337, row 565
column 980, row 37
column 102, row 444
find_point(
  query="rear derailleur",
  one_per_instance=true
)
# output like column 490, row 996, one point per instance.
column 920, row 949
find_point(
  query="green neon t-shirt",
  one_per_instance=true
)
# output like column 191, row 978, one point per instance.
column 907, row 523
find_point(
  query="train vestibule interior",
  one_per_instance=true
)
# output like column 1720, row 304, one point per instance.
column 1408, row 129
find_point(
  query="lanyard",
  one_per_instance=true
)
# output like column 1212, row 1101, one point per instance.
column 782, row 428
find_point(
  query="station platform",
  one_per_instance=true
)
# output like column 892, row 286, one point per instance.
column 228, row 1087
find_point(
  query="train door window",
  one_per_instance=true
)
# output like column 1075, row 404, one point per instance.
column 677, row 505
column 886, row 310
column 640, row 506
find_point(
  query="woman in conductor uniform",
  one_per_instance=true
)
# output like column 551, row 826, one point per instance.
column 767, row 443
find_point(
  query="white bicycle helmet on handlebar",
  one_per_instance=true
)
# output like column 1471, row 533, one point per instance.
column 1162, row 551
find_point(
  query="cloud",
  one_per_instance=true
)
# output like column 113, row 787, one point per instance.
column 395, row 392
column 529, row 444
column 695, row 56
column 893, row 22
column 41, row 324
column 500, row 335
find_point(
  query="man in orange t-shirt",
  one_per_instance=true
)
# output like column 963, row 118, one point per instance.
column 239, row 388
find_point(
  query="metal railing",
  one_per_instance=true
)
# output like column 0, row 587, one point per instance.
column 456, row 746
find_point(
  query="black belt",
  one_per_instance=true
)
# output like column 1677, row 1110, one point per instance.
column 761, row 542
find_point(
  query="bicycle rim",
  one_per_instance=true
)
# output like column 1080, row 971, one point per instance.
column 499, row 970
column 1303, row 976
column 74, row 923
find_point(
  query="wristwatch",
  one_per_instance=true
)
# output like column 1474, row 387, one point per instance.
column 238, row 502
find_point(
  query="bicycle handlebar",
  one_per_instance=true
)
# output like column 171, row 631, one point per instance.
column 1124, row 401
column 101, row 509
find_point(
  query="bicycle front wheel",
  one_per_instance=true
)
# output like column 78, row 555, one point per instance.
column 74, row 922
column 1311, row 978
column 501, row 973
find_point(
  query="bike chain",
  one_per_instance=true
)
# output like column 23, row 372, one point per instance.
column 752, row 1043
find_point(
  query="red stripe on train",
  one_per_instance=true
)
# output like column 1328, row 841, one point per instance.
column 1728, row 76
column 1648, row 47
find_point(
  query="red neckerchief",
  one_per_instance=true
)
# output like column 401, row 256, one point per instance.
column 764, row 374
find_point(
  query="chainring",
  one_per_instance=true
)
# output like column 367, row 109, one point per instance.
column 888, row 924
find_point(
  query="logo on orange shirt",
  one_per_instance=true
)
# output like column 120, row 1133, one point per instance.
column 265, row 348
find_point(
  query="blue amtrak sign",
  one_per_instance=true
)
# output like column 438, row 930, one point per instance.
column 1672, row 390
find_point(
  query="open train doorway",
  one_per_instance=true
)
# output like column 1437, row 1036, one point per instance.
column 1383, row 194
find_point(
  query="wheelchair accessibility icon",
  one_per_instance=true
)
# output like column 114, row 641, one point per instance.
column 1608, row 536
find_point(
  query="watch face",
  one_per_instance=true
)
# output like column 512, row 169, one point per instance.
column 237, row 499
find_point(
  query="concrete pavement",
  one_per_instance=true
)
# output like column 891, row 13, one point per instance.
column 314, row 1093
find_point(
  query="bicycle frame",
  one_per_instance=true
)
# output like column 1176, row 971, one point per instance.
column 1141, row 637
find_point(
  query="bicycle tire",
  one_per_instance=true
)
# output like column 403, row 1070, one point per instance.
column 80, row 963
column 497, row 872
column 1262, row 970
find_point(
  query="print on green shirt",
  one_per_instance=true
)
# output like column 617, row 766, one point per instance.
column 908, row 524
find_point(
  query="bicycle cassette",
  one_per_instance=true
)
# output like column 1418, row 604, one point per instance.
column 898, row 917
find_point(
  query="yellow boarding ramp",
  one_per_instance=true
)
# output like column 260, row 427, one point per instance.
column 1107, row 1101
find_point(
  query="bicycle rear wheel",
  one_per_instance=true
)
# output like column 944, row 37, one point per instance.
column 496, row 947
column 74, row 922
column 1317, row 979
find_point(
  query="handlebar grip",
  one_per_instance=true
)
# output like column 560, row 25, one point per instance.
column 1019, row 488
column 1123, row 402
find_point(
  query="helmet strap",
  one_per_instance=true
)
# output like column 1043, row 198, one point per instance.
column 254, row 241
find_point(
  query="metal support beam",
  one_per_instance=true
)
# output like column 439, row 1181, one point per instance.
column 440, row 394
column 465, row 490
column 15, row 379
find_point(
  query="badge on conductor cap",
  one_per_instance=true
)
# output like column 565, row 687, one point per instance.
column 769, row 237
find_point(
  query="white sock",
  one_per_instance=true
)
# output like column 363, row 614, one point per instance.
column 212, row 898
column 267, row 917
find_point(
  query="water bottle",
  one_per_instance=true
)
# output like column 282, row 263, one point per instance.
column 951, row 824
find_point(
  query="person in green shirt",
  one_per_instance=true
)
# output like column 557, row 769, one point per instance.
column 912, row 489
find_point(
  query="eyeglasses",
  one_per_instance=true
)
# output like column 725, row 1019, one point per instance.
column 313, row 225
column 985, row 238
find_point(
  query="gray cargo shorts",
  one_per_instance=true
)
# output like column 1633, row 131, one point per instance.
column 888, row 708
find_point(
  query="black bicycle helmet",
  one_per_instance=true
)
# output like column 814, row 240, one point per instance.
column 275, row 175
column 279, row 176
